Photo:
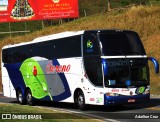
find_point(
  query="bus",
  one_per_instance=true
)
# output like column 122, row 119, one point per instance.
column 89, row 67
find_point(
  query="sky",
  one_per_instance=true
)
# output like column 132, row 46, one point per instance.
column 3, row 2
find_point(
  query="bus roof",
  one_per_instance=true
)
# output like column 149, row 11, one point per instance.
column 107, row 31
column 66, row 34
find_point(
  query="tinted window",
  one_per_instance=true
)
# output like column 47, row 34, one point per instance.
column 68, row 47
column 43, row 49
column 16, row 54
column 59, row 48
column 121, row 71
column 93, row 70
column 121, row 44
column 5, row 55
column 92, row 60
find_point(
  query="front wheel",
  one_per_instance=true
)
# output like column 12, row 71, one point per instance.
column 29, row 97
column 81, row 101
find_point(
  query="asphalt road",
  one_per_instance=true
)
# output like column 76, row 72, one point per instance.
column 134, row 113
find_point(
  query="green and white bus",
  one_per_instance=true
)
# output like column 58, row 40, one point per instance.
column 96, row 67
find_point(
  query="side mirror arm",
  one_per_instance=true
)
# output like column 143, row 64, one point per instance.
column 155, row 62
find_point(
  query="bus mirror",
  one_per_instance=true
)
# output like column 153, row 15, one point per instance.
column 155, row 62
column 105, row 67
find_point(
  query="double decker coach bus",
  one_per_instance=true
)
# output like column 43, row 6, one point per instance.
column 96, row 67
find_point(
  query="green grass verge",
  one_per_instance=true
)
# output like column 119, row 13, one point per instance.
column 47, row 115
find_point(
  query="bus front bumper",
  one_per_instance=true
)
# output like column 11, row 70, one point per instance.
column 123, row 100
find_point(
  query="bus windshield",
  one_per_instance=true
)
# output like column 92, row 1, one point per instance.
column 121, row 44
column 126, row 72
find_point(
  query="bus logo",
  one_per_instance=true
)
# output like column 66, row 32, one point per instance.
column 50, row 68
column 89, row 44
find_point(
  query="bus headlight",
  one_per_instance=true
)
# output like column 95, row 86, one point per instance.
column 112, row 94
column 147, row 91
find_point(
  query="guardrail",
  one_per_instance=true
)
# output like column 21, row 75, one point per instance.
column 14, row 32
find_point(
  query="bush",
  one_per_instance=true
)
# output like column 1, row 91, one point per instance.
column 140, row 2
column 124, row 2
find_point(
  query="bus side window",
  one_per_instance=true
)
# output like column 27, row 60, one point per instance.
column 19, row 54
column 43, row 49
column 5, row 57
column 68, row 47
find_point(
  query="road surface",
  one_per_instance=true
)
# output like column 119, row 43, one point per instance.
column 134, row 113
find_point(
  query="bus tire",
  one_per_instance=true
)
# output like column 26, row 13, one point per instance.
column 80, row 100
column 29, row 98
column 20, row 98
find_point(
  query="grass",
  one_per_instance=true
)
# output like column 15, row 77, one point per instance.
column 144, row 20
column 44, row 112
column 152, row 45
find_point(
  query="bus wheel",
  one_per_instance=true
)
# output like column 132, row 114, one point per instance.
column 29, row 97
column 81, row 101
column 20, row 97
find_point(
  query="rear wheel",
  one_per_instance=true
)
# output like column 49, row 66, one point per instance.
column 20, row 98
column 29, row 97
column 80, row 100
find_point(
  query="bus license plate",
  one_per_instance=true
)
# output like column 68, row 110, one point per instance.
column 131, row 100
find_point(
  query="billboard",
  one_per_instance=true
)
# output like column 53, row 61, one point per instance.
column 25, row 10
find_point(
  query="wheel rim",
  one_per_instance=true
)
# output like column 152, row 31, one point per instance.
column 80, row 100
column 29, row 98
column 20, row 97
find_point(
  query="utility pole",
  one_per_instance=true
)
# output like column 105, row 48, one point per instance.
column 10, row 29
